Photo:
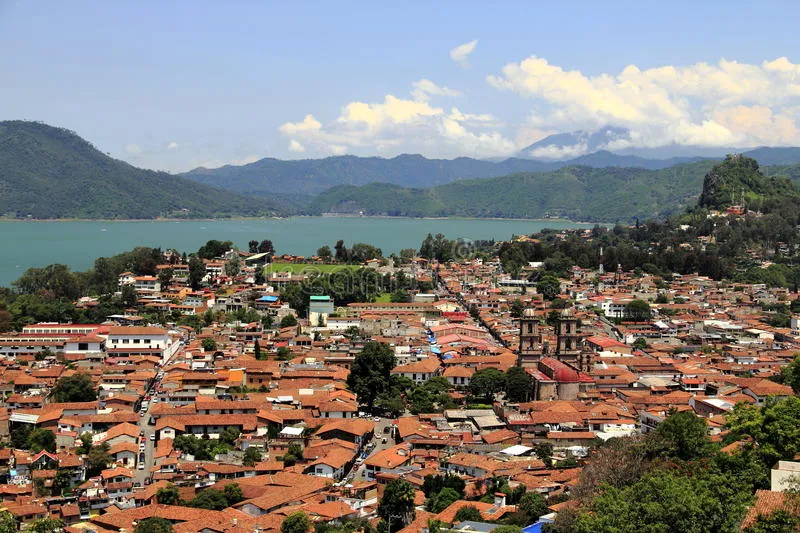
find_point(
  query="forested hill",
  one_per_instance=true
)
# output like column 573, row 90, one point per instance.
column 48, row 172
column 580, row 193
column 313, row 176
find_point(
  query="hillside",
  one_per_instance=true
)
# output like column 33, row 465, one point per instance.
column 48, row 172
column 578, row 192
column 738, row 179
column 313, row 176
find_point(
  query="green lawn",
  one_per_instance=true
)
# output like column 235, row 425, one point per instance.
column 385, row 297
column 303, row 267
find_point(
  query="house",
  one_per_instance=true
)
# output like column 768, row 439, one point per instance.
column 420, row 371
column 388, row 459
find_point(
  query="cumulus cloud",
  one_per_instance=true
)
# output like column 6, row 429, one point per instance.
column 172, row 146
column 424, row 89
column 296, row 147
column 460, row 54
column 133, row 149
column 399, row 124
column 722, row 104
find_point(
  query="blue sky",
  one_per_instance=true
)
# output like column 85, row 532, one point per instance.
column 175, row 85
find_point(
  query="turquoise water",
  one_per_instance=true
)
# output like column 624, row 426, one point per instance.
column 77, row 244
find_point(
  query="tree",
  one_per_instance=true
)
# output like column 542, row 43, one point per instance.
column 165, row 277
column 259, row 278
column 197, row 271
column 257, row 351
column 98, row 459
column 468, row 513
column 549, row 287
column 637, row 310
column 266, row 247
column 296, row 523
column 531, row 506
column 209, row 344
column 684, row 435
column 168, row 495
column 400, row 296
column 370, row 373
column 214, row 248
column 154, row 524
column 640, row 343
column 790, row 374
column 324, row 253
column 507, row 529
column 252, row 246
column 251, row 456
column 7, row 522
column 486, row 383
column 442, row 500
column 773, row 427
column 129, row 296
column 341, row 251
column 544, row 451
column 61, row 481
column 283, row 354
column 434, row 483
column 229, row 435
column 233, row 493
column 41, row 439
column 517, row 308
column 233, row 266
column 86, row 443
column 45, row 525
column 397, row 504
column 288, row 321
column 211, row 499
column 75, row 388
column 519, row 384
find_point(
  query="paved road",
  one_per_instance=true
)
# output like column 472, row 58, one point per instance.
column 358, row 471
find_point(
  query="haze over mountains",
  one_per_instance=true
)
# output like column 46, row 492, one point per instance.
column 48, row 172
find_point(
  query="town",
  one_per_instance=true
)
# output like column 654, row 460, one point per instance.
column 233, row 395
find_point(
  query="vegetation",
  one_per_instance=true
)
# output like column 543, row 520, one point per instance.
column 370, row 376
column 154, row 524
column 396, row 507
column 296, row 523
column 50, row 172
column 75, row 388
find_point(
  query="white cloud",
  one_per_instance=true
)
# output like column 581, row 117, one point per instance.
column 172, row 146
column 424, row 89
column 296, row 147
column 460, row 54
column 723, row 104
column 133, row 149
column 397, row 125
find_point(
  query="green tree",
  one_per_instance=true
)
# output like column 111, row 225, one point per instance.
column 288, row 320
column 168, row 495
column 7, row 522
column 517, row 308
column 257, row 352
column 211, row 499
column 324, row 253
column 549, row 287
column 684, row 435
column 62, row 481
column 214, row 248
column 400, row 296
column 45, row 525
column 544, row 451
column 442, row 500
column 468, row 513
column 41, row 439
column 283, row 354
column 233, row 266
column 486, row 383
column 154, row 524
column 209, row 345
column 519, row 385
column 165, row 277
column 98, row 459
column 75, row 388
column 790, row 374
column 197, row 271
column 640, row 343
column 531, row 506
column 396, row 506
column 251, row 456
column 296, row 523
column 773, row 427
column 638, row 310
column 507, row 529
column 128, row 296
column 233, row 494
column 370, row 373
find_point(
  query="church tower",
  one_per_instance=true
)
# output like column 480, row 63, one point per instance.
column 568, row 349
column 530, row 339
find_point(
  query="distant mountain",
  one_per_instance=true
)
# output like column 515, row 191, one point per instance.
column 575, row 192
column 268, row 177
column 48, row 172
column 561, row 146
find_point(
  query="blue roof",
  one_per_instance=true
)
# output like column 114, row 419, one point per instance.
column 268, row 299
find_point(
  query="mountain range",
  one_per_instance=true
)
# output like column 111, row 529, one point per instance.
column 48, row 172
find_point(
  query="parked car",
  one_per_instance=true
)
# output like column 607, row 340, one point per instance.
column 141, row 466
column 383, row 440
column 153, row 436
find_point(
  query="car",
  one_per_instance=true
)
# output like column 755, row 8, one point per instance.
column 377, row 419
column 141, row 466
column 383, row 441
column 387, row 429
column 152, row 421
column 153, row 436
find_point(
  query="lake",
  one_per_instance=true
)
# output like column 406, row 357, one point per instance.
column 77, row 244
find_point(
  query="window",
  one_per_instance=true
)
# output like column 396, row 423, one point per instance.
column 136, row 341
column 147, row 341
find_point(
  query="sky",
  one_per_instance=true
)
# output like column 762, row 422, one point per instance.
column 181, row 84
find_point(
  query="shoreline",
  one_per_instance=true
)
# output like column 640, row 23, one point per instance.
column 323, row 216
